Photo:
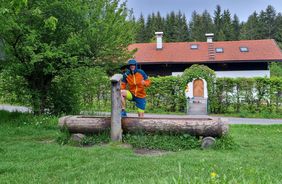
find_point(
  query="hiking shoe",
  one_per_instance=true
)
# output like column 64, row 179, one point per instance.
column 123, row 113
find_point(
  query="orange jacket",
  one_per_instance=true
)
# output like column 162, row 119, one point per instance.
column 134, row 82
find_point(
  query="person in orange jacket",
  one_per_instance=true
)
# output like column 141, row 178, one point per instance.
column 136, row 80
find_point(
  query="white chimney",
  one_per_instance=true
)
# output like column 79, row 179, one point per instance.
column 209, row 37
column 159, row 36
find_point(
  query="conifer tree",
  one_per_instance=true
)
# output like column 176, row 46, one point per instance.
column 217, row 19
column 267, row 20
column 141, row 30
column 236, row 28
column 250, row 30
column 227, row 25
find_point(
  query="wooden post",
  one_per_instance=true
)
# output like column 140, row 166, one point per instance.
column 116, row 131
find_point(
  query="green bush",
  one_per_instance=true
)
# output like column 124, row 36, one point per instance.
column 94, row 89
column 13, row 89
column 170, row 142
column 166, row 94
column 79, row 90
column 89, row 89
column 276, row 69
column 248, row 95
column 64, row 94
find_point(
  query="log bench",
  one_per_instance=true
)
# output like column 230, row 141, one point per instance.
column 206, row 127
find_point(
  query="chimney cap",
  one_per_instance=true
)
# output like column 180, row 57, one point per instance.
column 159, row 33
column 209, row 35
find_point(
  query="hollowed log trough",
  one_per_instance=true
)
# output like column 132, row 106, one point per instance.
column 206, row 127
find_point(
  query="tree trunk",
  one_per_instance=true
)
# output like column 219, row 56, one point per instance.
column 40, row 85
column 213, row 127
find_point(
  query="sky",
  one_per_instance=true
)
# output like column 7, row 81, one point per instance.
column 242, row 8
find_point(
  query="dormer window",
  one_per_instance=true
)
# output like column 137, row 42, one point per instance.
column 244, row 49
column 194, row 46
column 219, row 50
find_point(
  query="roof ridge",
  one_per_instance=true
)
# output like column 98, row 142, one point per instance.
column 204, row 42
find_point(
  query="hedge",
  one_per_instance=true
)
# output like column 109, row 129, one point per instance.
column 166, row 94
column 248, row 94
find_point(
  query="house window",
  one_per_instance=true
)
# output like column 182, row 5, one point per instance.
column 194, row 46
column 219, row 50
column 244, row 49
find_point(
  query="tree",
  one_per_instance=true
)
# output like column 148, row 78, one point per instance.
column 227, row 25
column 141, row 30
column 250, row 30
column 217, row 19
column 43, row 38
column 199, row 25
column 267, row 21
column 155, row 23
column 276, row 69
column 207, row 22
column 176, row 27
column 278, row 33
column 149, row 28
column 183, row 28
column 159, row 22
column 194, row 27
column 171, row 27
column 236, row 28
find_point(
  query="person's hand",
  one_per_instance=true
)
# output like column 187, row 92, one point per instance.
column 143, row 82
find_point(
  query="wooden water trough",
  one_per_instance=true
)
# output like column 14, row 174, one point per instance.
column 206, row 127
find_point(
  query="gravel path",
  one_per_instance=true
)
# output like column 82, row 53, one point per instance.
column 231, row 120
column 12, row 108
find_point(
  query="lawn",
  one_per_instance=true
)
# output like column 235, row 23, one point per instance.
column 30, row 154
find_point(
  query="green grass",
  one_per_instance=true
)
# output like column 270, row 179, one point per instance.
column 29, row 153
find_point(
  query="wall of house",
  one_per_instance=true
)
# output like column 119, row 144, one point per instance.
column 247, row 74
column 240, row 69
column 236, row 74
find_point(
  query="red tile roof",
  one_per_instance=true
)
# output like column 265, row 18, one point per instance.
column 179, row 52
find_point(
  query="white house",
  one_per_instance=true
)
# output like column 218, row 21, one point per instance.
column 244, row 58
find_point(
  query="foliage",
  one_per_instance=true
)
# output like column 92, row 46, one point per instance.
column 64, row 97
column 63, row 137
column 276, row 69
column 227, row 95
column 140, row 24
column 13, row 89
column 94, row 89
column 226, row 142
column 174, row 26
column 246, row 95
column 200, row 25
column 73, row 91
column 159, row 141
column 82, row 89
column 264, row 25
column 44, row 38
column 166, row 94
column 198, row 71
column 169, row 142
